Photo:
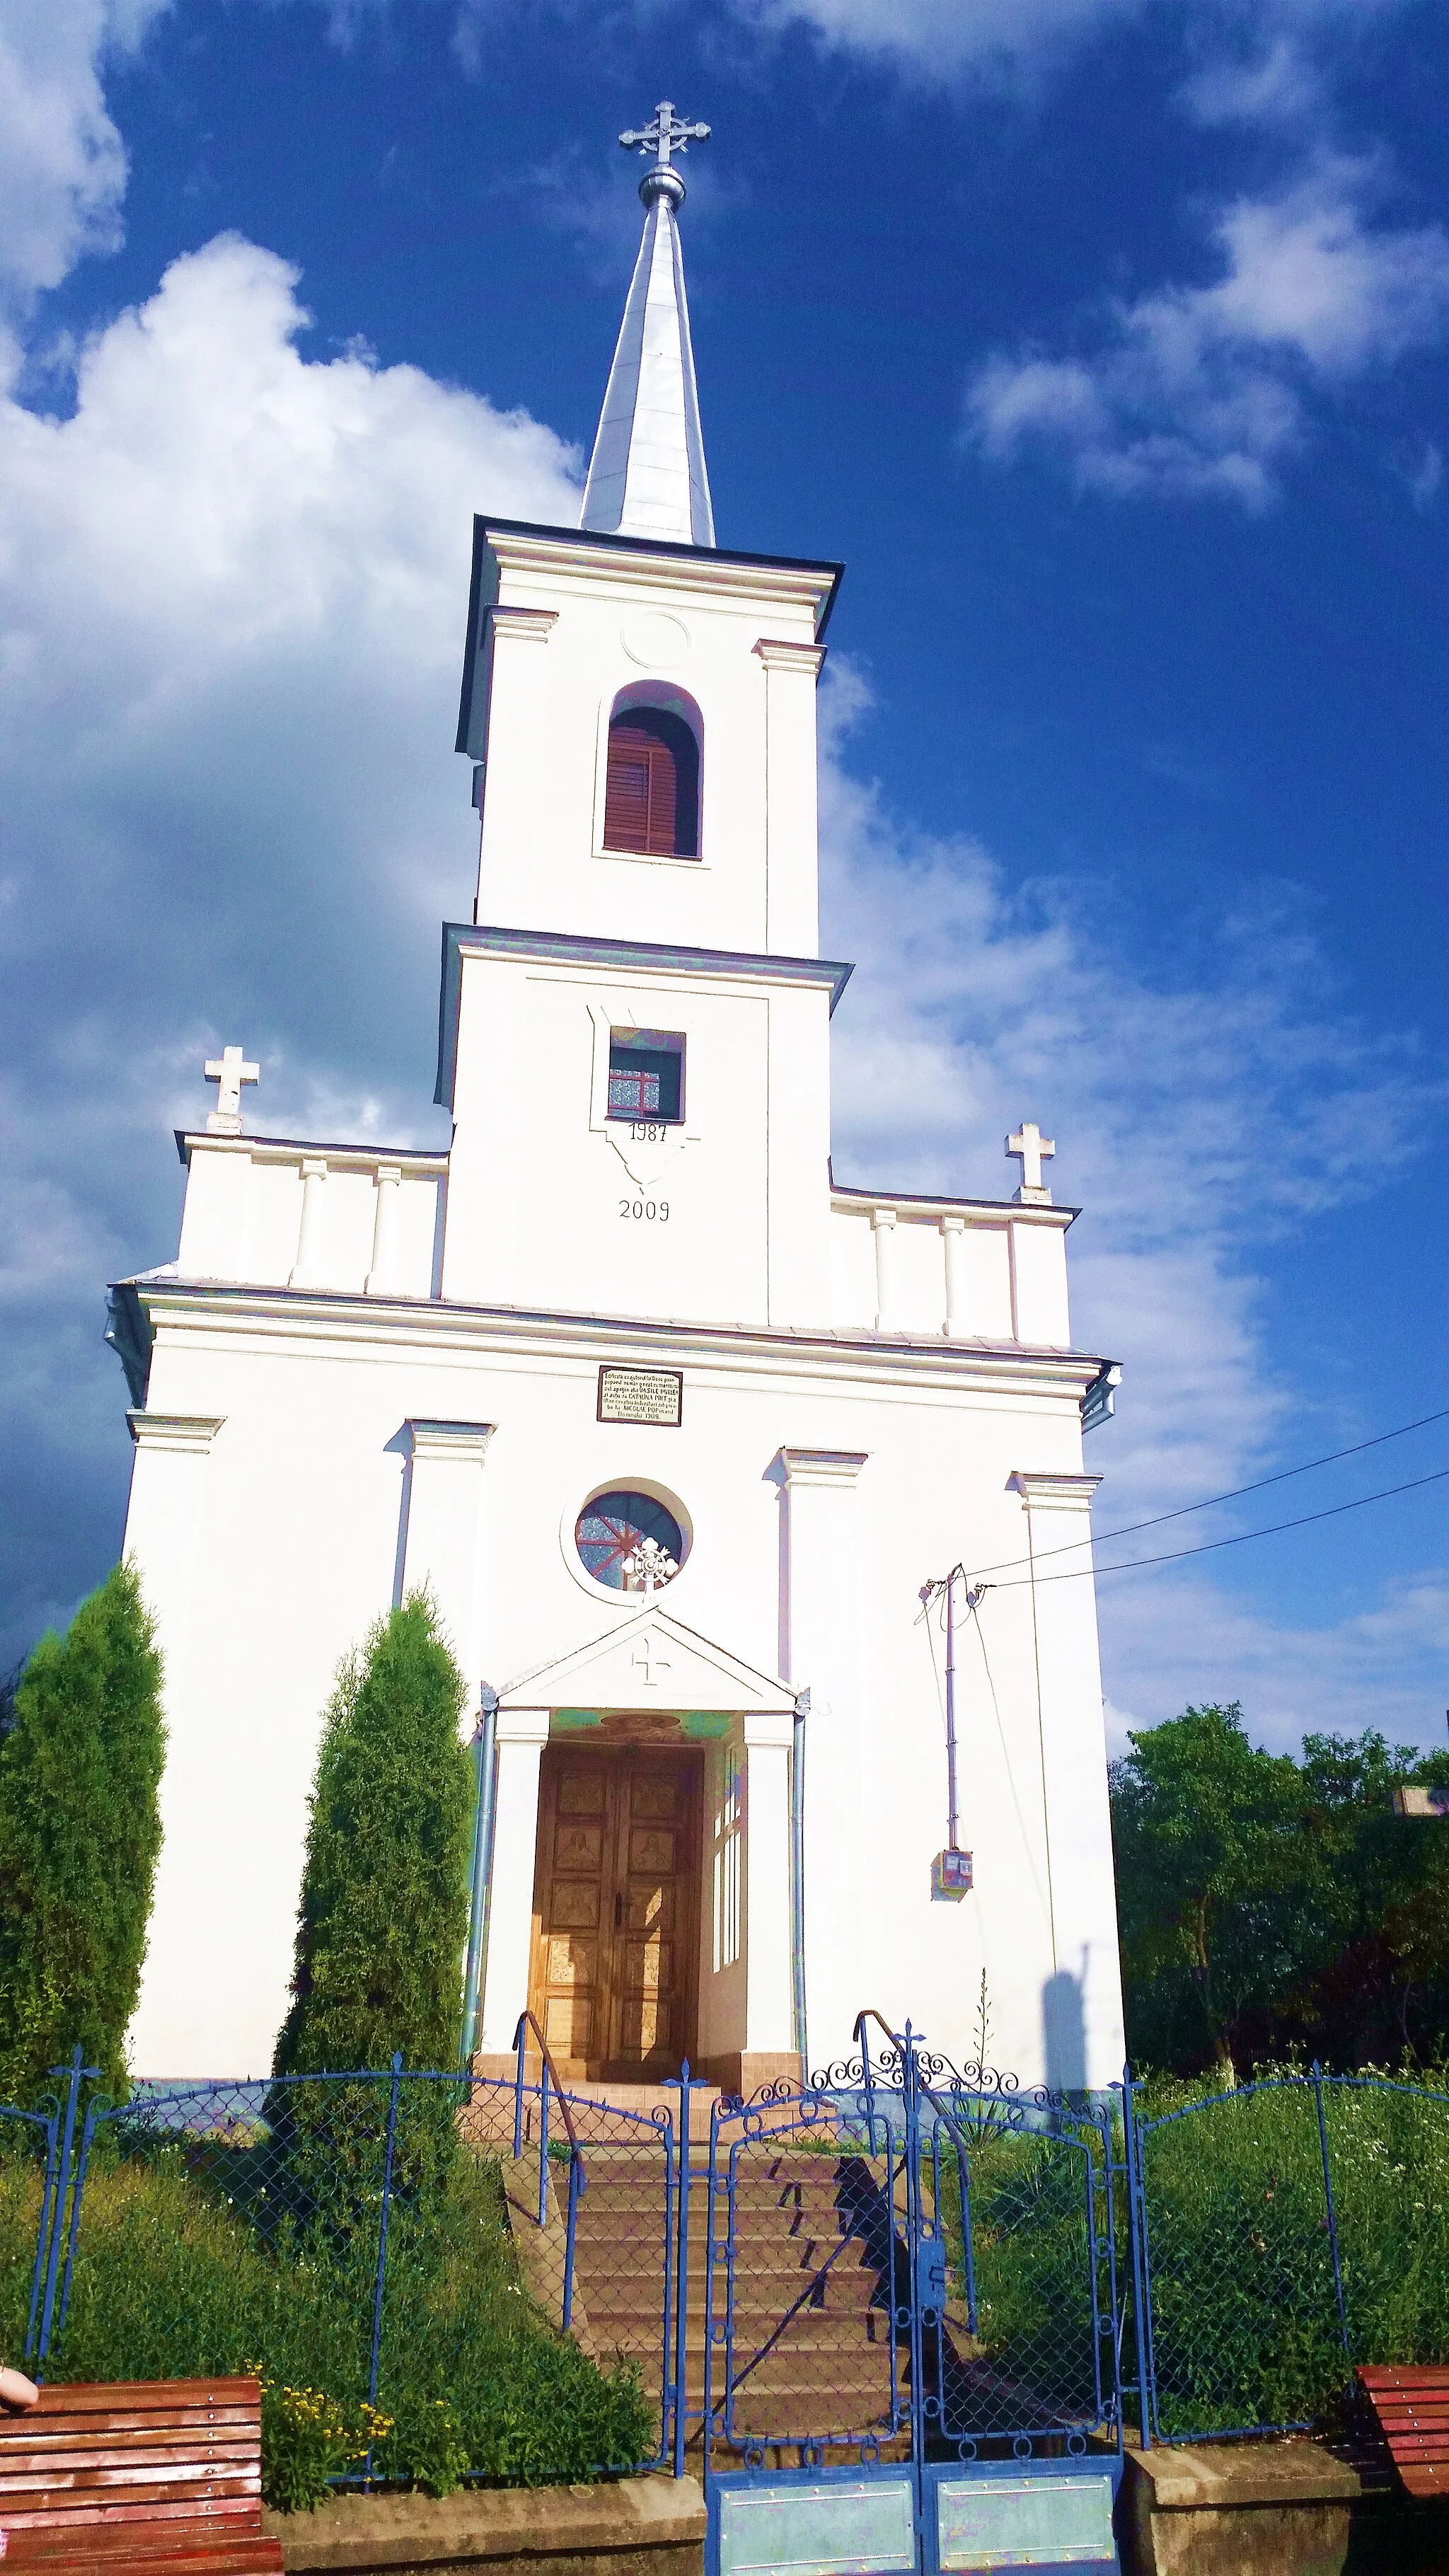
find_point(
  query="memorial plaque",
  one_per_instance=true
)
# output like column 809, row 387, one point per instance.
column 641, row 1395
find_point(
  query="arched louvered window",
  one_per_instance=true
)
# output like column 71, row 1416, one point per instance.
column 651, row 802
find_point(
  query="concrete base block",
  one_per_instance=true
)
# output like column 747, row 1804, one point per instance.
column 631, row 2527
column 1238, row 2509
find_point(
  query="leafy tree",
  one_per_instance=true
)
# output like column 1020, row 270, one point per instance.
column 1211, row 1864
column 1271, row 1906
column 82, row 1745
column 384, row 1908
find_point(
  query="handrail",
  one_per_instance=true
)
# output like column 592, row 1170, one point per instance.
column 550, row 2068
column 901, row 2046
column 869, row 2013
column 578, row 2180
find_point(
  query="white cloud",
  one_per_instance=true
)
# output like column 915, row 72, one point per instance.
column 942, row 37
column 1259, row 61
column 975, row 1004
column 1207, row 389
column 232, row 591
column 1185, row 1640
column 62, row 162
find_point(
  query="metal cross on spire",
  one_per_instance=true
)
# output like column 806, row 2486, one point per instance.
column 665, row 134
column 647, row 474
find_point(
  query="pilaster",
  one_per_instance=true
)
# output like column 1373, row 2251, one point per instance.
column 791, row 911
column 769, row 2005
column 1082, row 2000
column 522, row 1735
column 442, row 1527
column 820, row 1652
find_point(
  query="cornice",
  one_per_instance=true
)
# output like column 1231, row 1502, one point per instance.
column 526, row 625
column 465, row 1440
column 1061, row 1493
column 778, row 654
column 520, row 544
column 616, row 956
column 833, row 1467
column 318, row 1314
column 421, row 1162
column 853, row 1202
column 190, row 1433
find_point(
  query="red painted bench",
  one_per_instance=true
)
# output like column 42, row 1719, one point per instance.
column 137, row 2474
column 1412, row 2406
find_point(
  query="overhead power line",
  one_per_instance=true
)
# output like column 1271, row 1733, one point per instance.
column 1130, row 1529
column 1208, row 1546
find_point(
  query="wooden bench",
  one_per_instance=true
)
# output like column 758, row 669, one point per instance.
column 134, row 2474
column 1411, row 2403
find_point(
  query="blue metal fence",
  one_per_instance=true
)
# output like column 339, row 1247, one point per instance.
column 1282, row 2234
column 897, row 2265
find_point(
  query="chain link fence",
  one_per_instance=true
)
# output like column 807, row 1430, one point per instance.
column 501, row 2279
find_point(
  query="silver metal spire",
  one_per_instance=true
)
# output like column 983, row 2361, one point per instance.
column 647, row 475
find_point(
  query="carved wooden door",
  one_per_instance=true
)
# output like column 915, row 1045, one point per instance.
column 616, row 1910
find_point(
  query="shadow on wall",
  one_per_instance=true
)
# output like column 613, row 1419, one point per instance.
column 1064, row 2030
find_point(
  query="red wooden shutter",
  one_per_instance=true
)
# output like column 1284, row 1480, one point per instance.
column 642, row 801
column 626, row 802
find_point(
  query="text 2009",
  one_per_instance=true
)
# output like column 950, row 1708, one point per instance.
column 651, row 1210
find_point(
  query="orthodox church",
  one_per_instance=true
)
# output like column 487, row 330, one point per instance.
column 684, row 1437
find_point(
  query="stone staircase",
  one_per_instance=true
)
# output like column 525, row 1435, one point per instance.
column 812, row 2355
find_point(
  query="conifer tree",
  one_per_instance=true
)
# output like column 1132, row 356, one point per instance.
column 80, row 1829
column 384, row 1907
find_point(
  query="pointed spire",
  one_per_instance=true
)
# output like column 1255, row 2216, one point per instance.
column 647, row 475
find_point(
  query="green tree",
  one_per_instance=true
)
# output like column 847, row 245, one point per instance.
column 384, row 1908
column 80, row 1829
column 380, row 1936
column 1213, row 1867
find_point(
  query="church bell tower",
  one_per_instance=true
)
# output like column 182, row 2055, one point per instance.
column 641, row 981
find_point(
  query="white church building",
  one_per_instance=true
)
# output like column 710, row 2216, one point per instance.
column 674, row 1427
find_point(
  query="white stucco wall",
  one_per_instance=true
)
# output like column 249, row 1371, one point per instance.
column 376, row 1367
column 297, row 1537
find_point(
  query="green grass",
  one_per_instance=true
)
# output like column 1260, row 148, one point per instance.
column 1246, row 2321
column 175, row 2278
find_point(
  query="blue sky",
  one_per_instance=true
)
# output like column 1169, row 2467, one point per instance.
column 1107, row 344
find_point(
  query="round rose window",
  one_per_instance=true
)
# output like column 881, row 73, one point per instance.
column 629, row 1542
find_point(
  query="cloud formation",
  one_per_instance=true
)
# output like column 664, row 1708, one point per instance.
column 1207, row 388
column 62, row 162
column 232, row 588
column 978, row 1002
column 944, row 37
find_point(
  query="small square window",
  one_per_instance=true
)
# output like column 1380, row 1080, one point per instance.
column 646, row 1075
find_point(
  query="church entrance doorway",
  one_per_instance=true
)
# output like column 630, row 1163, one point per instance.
column 615, row 1958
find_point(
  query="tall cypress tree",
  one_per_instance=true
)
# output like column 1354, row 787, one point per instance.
column 384, row 1909
column 80, row 1829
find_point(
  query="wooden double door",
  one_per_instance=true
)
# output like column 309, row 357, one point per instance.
column 616, row 1909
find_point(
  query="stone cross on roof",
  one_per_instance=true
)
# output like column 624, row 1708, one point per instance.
column 229, row 1071
column 1031, row 1149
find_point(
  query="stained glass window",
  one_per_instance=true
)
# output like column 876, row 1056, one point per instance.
column 629, row 1542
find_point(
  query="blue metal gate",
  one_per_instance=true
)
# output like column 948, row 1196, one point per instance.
column 912, row 2323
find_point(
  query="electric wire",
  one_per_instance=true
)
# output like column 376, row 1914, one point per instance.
column 1207, row 1546
column 1181, row 1511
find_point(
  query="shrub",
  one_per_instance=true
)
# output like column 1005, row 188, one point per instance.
column 80, row 1829
column 307, row 2441
column 176, row 2278
column 384, row 1906
column 381, row 1930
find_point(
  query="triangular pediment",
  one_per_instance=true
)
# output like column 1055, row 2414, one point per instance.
column 650, row 1662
